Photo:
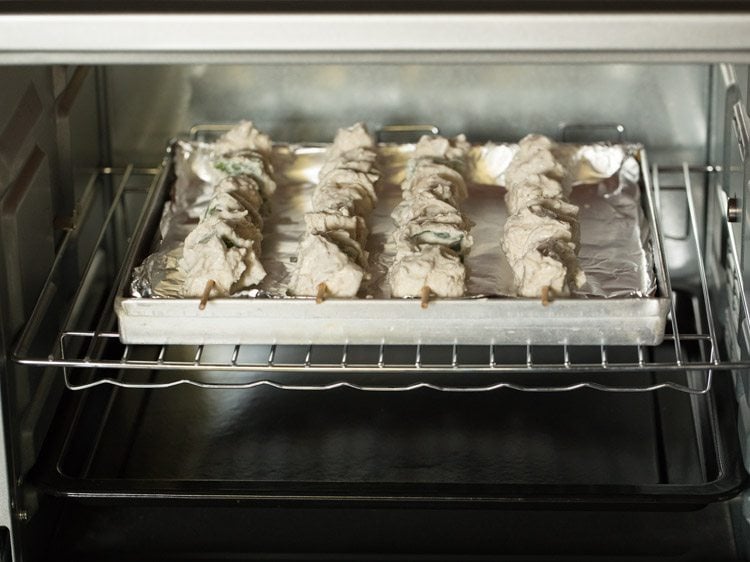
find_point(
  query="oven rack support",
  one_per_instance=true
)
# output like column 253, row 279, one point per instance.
column 90, row 354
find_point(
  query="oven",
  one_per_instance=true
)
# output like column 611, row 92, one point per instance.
column 337, row 451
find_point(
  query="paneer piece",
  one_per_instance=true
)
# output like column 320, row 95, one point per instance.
column 533, row 226
column 436, row 267
column 244, row 136
column 357, row 159
column 533, row 159
column 246, row 190
column 248, row 164
column 348, row 245
column 344, row 178
column 225, row 252
column 426, row 174
column 436, row 188
column 575, row 277
column 347, row 200
column 534, row 175
column 349, row 139
column 559, row 207
column 245, row 151
column 435, row 233
column 522, row 196
column 237, row 231
column 322, row 261
column 441, row 148
column 553, row 265
column 225, row 206
column 320, row 223
column 426, row 207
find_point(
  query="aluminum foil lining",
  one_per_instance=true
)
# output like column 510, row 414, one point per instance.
column 615, row 236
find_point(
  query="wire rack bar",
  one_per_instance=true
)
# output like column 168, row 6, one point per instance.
column 655, row 210
column 193, row 360
column 396, row 388
column 714, row 356
column 99, row 351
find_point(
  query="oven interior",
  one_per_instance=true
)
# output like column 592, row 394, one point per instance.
column 481, row 450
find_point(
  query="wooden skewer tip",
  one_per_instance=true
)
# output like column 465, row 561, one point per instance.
column 425, row 296
column 546, row 290
column 206, row 294
column 320, row 297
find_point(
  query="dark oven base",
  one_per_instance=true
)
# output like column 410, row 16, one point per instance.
column 424, row 448
column 186, row 531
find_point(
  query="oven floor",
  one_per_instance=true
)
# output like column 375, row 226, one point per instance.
column 582, row 437
column 182, row 532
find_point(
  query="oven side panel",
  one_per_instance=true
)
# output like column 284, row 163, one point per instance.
column 40, row 156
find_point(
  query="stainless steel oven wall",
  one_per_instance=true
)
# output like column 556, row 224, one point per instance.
column 41, row 159
column 728, row 243
column 664, row 106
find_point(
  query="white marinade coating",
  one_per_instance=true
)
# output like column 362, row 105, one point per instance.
column 320, row 223
column 350, row 139
column 343, row 178
column 248, row 164
column 534, row 174
column 244, row 136
column 228, row 206
column 426, row 207
column 527, row 230
column 432, row 230
column 347, row 186
column 553, row 264
column 245, row 151
column 434, row 233
column 441, row 148
column 426, row 174
column 331, row 252
column 534, row 158
column 321, row 260
column 435, row 267
column 225, row 247
column 350, row 200
column 245, row 190
column 359, row 159
column 540, row 247
column 524, row 195
column 348, row 245
column 223, row 251
column 541, row 235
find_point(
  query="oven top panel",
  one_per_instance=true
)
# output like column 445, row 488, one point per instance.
column 205, row 6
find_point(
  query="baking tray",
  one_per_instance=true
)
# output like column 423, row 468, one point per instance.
column 625, row 309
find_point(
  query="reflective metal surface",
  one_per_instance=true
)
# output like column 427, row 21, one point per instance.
column 108, row 38
column 302, row 102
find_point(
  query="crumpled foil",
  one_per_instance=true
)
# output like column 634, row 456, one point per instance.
column 615, row 248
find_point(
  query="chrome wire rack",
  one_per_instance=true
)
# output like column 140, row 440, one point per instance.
column 86, row 345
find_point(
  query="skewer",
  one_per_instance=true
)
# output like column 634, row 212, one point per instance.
column 425, row 296
column 322, row 288
column 206, row 293
column 546, row 291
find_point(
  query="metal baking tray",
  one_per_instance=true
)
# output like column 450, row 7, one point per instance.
column 624, row 303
